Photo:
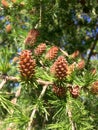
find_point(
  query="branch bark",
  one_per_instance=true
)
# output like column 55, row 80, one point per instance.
column 2, row 83
column 91, row 51
column 70, row 119
column 35, row 107
column 6, row 77
column 68, row 108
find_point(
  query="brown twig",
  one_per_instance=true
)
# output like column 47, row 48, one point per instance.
column 35, row 107
column 70, row 119
column 73, row 127
column 40, row 81
column 17, row 94
column 12, row 78
column 6, row 77
column 64, row 52
column 3, row 83
column 40, row 21
column 91, row 51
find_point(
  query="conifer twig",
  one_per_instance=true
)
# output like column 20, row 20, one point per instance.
column 35, row 107
column 40, row 21
column 40, row 81
column 73, row 127
column 2, row 83
column 17, row 94
column 64, row 52
column 6, row 77
column 70, row 119
column 12, row 78
column 91, row 50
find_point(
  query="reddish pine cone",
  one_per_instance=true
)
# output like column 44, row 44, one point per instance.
column 75, row 91
column 94, row 87
column 81, row 64
column 52, row 53
column 40, row 49
column 32, row 37
column 27, row 64
column 93, row 71
column 5, row 3
column 61, row 68
column 8, row 28
column 59, row 91
column 75, row 54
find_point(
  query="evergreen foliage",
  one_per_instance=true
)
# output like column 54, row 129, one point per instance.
column 48, row 65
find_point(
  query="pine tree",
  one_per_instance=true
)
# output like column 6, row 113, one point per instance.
column 48, row 65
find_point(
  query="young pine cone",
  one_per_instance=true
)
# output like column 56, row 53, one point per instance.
column 75, row 91
column 52, row 53
column 27, row 64
column 81, row 64
column 94, row 87
column 75, row 54
column 93, row 71
column 59, row 91
column 8, row 28
column 61, row 68
column 5, row 3
column 32, row 37
column 40, row 49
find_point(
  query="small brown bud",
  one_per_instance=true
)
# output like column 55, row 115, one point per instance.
column 75, row 54
column 5, row 3
column 32, row 37
column 75, row 91
column 81, row 64
column 94, row 87
column 93, row 71
column 8, row 28
column 59, row 91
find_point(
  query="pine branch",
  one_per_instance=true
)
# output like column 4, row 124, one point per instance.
column 70, row 119
column 73, row 127
column 64, row 52
column 6, row 77
column 12, row 78
column 91, row 51
column 3, row 83
column 40, row 81
column 17, row 94
column 40, row 21
column 35, row 107
column 40, row 16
